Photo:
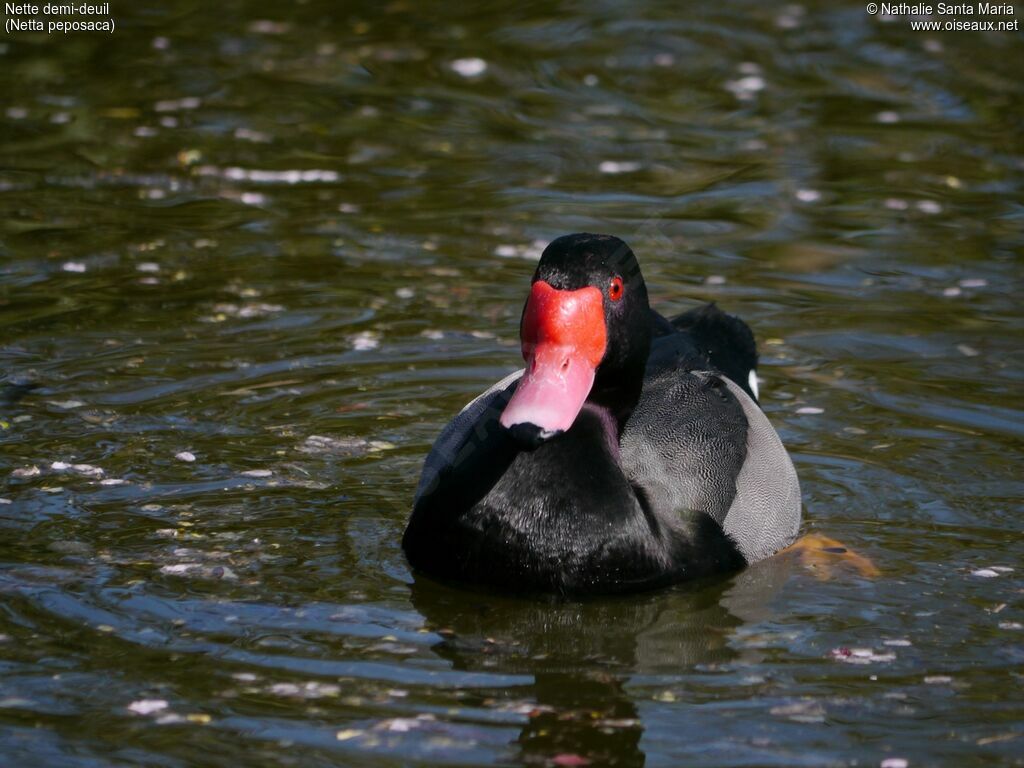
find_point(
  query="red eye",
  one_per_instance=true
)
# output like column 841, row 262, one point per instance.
column 615, row 289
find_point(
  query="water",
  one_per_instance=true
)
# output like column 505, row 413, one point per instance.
column 290, row 241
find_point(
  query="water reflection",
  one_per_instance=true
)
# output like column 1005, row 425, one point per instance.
column 583, row 655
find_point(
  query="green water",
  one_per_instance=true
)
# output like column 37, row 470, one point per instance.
column 290, row 240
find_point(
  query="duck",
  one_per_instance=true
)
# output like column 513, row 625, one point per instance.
column 629, row 453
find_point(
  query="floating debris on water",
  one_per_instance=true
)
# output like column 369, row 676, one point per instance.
column 887, row 117
column 973, row 282
column 256, row 473
column 800, row 712
column 148, row 706
column 224, row 310
column 262, row 176
column 861, row 656
column 83, row 469
column 257, row 137
column 810, row 410
column 66, row 405
column 613, row 166
column 186, row 456
column 715, row 280
column 991, row 572
column 346, row 446
column 746, row 88
column 929, row 206
column 177, row 105
column 365, row 340
column 894, row 762
column 310, row 690
column 808, row 195
column 938, row 680
column 200, row 570
column 469, row 67
column 405, row 293
column 967, row 351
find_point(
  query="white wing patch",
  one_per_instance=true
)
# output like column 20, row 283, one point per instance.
column 752, row 381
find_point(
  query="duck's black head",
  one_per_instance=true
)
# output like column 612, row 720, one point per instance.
column 585, row 335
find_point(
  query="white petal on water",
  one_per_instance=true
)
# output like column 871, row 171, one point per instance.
column 179, row 569
column 186, row 456
column 73, row 266
column 746, row 87
column 973, row 282
column 894, row 762
column 952, row 292
column 6, row 501
column 808, row 195
column 614, row 166
column 257, row 473
column 365, row 340
column 810, row 410
column 985, row 573
column 148, row 706
column 88, row 470
column 861, row 656
column 469, row 67
column 66, row 405
column 23, row 472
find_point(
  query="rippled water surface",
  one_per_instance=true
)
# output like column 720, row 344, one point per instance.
column 255, row 255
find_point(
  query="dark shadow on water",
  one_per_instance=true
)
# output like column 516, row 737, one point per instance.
column 583, row 655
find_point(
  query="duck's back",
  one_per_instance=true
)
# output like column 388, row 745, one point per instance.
column 696, row 442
